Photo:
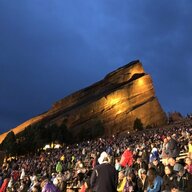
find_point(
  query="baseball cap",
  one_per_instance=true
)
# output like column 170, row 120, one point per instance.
column 178, row 167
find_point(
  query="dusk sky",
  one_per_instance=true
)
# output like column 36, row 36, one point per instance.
column 52, row 48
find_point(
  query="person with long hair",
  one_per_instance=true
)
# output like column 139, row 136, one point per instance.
column 168, row 179
column 154, row 181
column 142, row 180
column 190, row 148
column 130, row 185
column 121, row 181
column 188, row 164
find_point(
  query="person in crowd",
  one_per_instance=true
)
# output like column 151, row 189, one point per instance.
column 127, row 158
column 22, row 175
column 121, row 181
column 117, row 165
column 190, row 148
column 104, row 177
column 5, row 184
column 59, row 167
column 183, row 181
column 154, row 181
column 168, row 179
column 172, row 147
column 1, row 178
column 165, row 161
column 158, row 166
column 15, row 175
column 183, row 140
column 34, row 182
column 35, row 189
column 172, row 161
column 94, row 160
column 188, row 164
column 145, row 154
column 48, row 186
column 79, row 165
column 130, row 185
column 59, row 182
column 164, row 154
column 86, row 185
column 154, row 153
column 139, row 164
column 142, row 180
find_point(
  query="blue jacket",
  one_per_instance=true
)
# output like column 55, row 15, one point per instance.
column 157, row 185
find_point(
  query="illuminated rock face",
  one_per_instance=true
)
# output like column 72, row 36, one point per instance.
column 116, row 101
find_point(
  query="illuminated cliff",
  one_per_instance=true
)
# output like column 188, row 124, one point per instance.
column 116, row 101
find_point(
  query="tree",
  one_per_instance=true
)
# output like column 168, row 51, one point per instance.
column 174, row 116
column 148, row 127
column 26, row 141
column 55, row 133
column 138, row 125
column 9, row 144
column 97, row 129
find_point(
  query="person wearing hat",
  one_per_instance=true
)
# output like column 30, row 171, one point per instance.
column 104, row 177
column 172, row 162
column 183, row 180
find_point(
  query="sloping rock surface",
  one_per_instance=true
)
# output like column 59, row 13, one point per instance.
column 116, row 101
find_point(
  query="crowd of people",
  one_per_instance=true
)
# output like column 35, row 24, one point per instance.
column 146, row 161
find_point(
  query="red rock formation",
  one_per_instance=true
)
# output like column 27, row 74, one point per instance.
column 116, row 101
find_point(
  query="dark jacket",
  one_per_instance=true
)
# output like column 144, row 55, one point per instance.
column 142, row 186
column 159, row 168
column 172, row 148
column 168, row 182
column 184, row 183
column 104, row 178
column 137, row 166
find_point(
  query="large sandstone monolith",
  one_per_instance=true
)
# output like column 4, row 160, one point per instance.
column 115, row 102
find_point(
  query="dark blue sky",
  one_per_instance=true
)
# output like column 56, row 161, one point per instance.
column 51, row 48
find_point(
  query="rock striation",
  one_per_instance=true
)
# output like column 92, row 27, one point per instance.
column 116, row 101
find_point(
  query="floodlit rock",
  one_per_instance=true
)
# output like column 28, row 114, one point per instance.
column 114, row 102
